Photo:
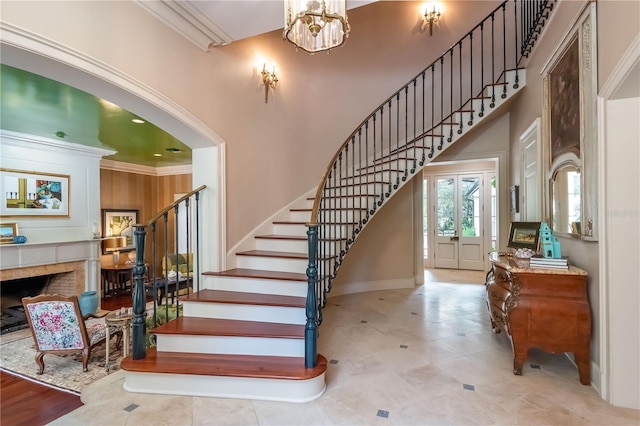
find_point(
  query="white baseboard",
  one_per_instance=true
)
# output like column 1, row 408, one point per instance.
column 362, row 286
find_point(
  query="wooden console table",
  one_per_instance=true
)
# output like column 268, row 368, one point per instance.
column 540, row 308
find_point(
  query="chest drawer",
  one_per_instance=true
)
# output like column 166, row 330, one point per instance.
column 497, row 295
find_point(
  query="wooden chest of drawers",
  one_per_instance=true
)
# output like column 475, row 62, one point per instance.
column 540, row 308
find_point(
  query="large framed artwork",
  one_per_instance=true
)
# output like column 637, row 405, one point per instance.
column 569, row 119
column 119, row 223
column 33, row 194
column 564, row 103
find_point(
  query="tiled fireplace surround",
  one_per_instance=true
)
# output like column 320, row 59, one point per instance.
column 73, row 266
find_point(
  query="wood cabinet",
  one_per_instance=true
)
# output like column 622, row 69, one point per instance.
column 540, row 308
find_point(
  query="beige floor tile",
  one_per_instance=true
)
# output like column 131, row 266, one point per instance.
column 445, row 328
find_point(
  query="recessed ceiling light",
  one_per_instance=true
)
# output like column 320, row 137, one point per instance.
column 61, row 134
column 174, row 150
column 157, row 155
column 137, row 120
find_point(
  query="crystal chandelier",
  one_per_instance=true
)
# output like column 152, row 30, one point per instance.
column 314, row 25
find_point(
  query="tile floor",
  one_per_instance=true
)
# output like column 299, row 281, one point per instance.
column 423, row 356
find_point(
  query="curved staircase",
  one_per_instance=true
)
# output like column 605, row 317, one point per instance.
column 246, row 332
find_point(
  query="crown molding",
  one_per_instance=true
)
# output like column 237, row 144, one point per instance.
column 119, row 166
column 188, row 21
column 17, row 139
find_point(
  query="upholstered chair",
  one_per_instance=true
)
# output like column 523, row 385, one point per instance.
column 58, row 327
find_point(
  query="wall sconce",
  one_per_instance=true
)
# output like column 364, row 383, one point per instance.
column 432, row 14
column 269, row 79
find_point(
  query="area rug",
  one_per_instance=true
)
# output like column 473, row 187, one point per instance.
column 63, row 372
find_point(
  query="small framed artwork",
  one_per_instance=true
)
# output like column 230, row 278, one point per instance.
column 33, row 194
column 7, row 232
column 515, row 199
column 524, row 235
column 119, row 223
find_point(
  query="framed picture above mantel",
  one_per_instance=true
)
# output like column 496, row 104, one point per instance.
column 34, row 194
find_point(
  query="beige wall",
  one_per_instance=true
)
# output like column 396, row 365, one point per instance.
column 320, row 99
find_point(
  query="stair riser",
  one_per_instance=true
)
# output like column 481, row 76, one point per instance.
column 288, row 246
column 299, row 216
column 230, row 345
column 293, row 230
column 379, row 172
column 297, row 391
column 346, row 212
column 273, row 314
column 355, row 201
column 371, row 188
column 273, row 264
column 251, row 285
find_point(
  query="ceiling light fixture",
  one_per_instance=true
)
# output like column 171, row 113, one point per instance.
column 137, row 120
column 157, row 155
column 174, row 150
column 314, row 25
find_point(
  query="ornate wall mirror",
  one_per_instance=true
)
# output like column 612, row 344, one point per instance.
column 569, row 128
column 566, row 200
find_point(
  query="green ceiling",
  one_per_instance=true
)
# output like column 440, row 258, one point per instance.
column 39, row 106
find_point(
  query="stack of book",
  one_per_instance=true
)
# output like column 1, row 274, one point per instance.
column 539, row 261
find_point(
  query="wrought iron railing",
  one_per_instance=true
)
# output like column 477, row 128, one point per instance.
column 405, row 132
column 173, row 230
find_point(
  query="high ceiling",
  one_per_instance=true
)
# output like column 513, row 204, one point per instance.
column 43, row 107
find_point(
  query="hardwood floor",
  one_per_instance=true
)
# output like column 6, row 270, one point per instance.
column 23, row 402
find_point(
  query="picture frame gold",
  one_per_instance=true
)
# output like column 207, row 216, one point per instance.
column 34, row 194
column 8, row 231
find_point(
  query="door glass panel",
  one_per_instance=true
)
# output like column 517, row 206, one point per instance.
column 445, row 203
column 425, row 218
column 494, row 216
column 470, row 187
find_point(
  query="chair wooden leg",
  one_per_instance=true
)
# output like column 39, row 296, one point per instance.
column 86, row 353
column 40, row 361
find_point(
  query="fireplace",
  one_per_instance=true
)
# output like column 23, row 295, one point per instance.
column 67, row 268
column 65, row 278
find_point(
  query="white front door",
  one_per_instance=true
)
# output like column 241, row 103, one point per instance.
column 459, row 231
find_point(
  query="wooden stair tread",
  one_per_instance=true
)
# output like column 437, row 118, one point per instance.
column 258, row 274
column 297, row 237
column 242, row 298
column 266, row 367
column 345, row 196
column 278, row 254
column 288, row 222
column 267, row 253
column 282, row 237
column 197, row 326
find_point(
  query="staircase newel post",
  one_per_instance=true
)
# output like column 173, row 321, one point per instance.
column 139, row 299
column 311, row 327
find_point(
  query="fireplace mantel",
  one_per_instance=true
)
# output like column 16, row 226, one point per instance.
column 30, row 255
